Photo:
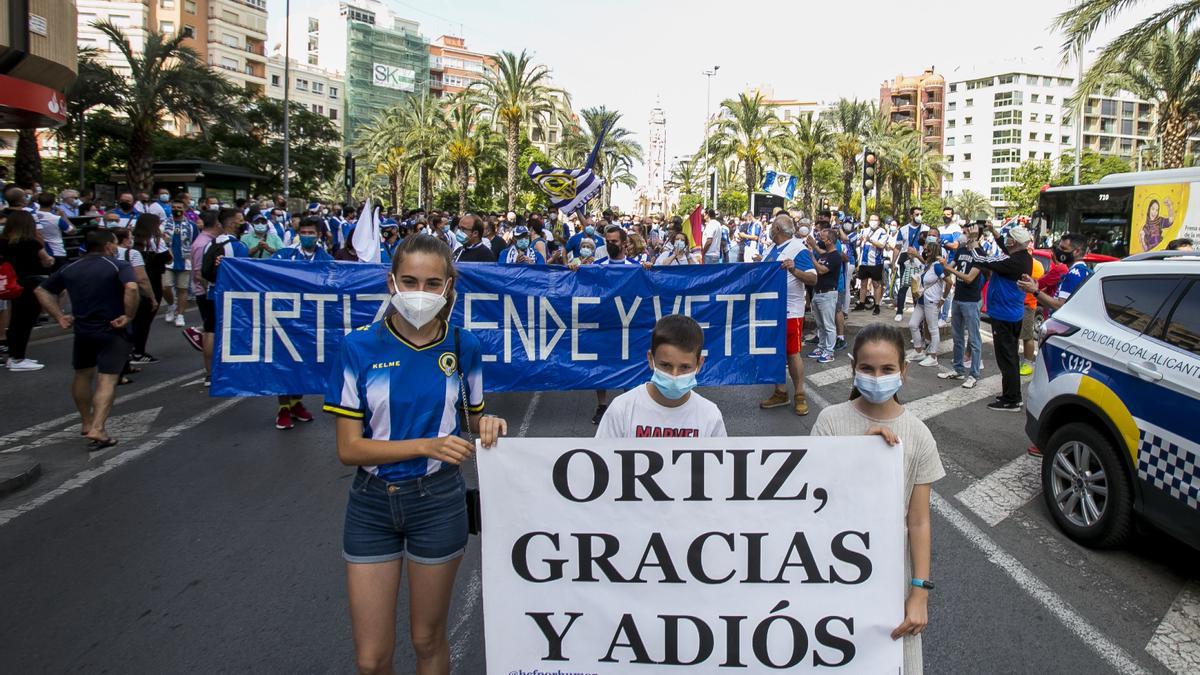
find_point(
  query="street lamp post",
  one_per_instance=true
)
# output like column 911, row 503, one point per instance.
column 1079, row 114
column 708, row 74
column 287, row 80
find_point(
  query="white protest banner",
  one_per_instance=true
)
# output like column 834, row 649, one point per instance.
column 719, row 554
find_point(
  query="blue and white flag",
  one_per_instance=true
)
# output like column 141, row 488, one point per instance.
column 781, row 184
column 542, row 327
column 570, row 189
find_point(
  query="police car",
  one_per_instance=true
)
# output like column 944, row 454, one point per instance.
column 1115, row 401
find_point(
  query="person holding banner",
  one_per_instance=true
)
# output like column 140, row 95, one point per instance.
column 793, row 255
column 521, row 252
column 398, row 389
column 873, row 408
column 677, row 253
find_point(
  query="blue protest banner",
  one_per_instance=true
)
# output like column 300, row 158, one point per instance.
column 280, row 322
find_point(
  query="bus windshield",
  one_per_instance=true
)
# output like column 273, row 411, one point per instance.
column 1099, row 213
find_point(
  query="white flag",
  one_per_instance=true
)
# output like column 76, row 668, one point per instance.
column 365, row 237
column 781, row 184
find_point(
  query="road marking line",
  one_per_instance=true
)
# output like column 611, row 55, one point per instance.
column 1074, row 622
column 997, row 495
column 88, row 475
column 825, row 378
column 528, row 419
column 74, row 416
column 125, row 427
column 1175, row 643
column 936, row 404
column 458, row 645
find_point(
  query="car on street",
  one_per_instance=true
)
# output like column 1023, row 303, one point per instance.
column 1114, row 402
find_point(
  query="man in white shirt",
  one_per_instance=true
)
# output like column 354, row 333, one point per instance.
column 793, row 255
column 713, row 233
column 666, row 406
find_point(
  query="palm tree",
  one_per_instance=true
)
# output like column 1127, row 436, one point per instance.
column 914, row 167
column 1161, row 69
column 1079, row 24
column 810, row 141
column 166, row 78
column 747, row 131
column 685, row 177
column 517, row 89
column 849, row 120
column 95, row 85
column 616, row 149
column 464, row 144
column 971, row 205
column 423, row 131
column 385, row 155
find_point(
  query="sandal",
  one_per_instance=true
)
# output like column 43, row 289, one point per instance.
column 101, row 445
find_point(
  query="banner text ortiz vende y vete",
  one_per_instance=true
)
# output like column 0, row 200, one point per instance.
column 279, row 323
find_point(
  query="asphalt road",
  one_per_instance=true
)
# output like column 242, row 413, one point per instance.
column 207, row 541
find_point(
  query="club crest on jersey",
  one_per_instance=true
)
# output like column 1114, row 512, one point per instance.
column 448, row 363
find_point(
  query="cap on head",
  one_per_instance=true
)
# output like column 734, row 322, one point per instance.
column 1020, row 235
column 520, row 231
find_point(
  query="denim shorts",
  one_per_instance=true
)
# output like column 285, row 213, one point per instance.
column 423, row 518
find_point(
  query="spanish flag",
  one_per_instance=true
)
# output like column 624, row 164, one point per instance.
column 695, row 230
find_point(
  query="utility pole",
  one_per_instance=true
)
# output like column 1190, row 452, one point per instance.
column 708, row 181
column 287, row 82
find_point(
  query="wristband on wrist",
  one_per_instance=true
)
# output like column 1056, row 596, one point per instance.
column 923, row 583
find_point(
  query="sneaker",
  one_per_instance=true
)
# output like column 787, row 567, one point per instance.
column 812, row 340
column 208, row 381
column 875, row 312
column 928, row 361
column 24, row 364
column 1034, row 451
column 300, row 413
column 817, row 353
column 916, row 356
column 777, row 400
column 899, row 317
column 858, row 307
column 1001, row 406
column 194, row 338
column 170, row 316
column 969, row 382
column 180, row 322
column 827, row 357
column 599, row 414
column 4, row 349
column 951, row 375
column 142, row 359
column 839, row 344
column 801, row 406
column 284, row 419
column 1026, row 369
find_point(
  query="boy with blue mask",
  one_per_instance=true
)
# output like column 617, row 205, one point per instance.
column 667, row 406
column 521, row 252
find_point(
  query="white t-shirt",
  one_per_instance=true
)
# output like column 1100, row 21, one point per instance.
column 712, row 234
column 669, row 258
column 50, row 225
column 796, row 292
column 131, row 256
column 635, row 414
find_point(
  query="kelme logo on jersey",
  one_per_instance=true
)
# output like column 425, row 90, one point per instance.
column 448, row 363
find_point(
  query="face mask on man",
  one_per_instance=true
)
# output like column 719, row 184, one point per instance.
column 260, row 228
column 803, row 232
column 946, row 219
column 417, row 307
column 917, row 218
column 874, row 223
column 460, row 236
column 308, row 241
column 125, row 204
column 614, row 250
column 164, row 198
column 522, row 244
column 1062, row 256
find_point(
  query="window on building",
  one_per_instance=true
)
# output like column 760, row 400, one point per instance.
column 968, row 121
column 950, row 124
column 301, row 85
column 966, row 156
column 1108, row 108
column 1006, row 98
column 189, row 31
column 1045, row 155
column 1033, row 117
column 1127, row 127
column 1047, row 138
column 1108, row 126
column 318, row 108
column 1034, row 98
column 1049, row 119
column 1006, row 155
column 1066, row 140
column 333, row 92
column 949, row 159
column 951, row 106
column 189, row 6
column 274, row 80
column 953, row 87
column 318, row 87
column 997, row 194
column 1050, row 100
column 1106, row 144
column 967, row 139
column 1002, row 175
column 166, row 4
column 1005, row 136
column 1033, row 135
column 1031, row 79
column 1127, row 108
column 554, row 135
column 360, row 15
column 1126, row 146
column 1007, row 79
column 970, row 102
column 312, row 59
column 229, row 64
column 966, row 175
column 333, row 114
column 313, row 24
column 166, row 27
column 1006, row 118
column 950, row 142
column 1033, row 155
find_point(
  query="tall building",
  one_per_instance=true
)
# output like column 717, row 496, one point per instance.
column 387, row 61
column 917, row 101
column 131, row 16
column 321, row 91
column 237, row 38
column 453, row 68
column 548, row 131
column 788, row 110
column 42, row 64
column 656, row 163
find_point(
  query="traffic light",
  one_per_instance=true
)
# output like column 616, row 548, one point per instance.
column 349, row 177
column 870, row 168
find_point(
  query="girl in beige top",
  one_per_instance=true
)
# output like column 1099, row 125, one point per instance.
column 879, row 371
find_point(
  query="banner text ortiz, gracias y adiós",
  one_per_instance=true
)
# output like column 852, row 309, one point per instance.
column 279, row 323
column 718, row 555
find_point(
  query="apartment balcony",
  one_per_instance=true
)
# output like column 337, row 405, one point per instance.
column 435, row 63
column 256, row 49
column 435, row 84
column 935, row 139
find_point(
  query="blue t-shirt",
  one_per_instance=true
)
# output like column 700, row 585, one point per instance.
column 1073, row 279
column 403, row 392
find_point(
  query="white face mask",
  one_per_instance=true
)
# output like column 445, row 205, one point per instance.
column 417, row 307
column 802, row 232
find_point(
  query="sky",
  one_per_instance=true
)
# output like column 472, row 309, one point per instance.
column 630, row 55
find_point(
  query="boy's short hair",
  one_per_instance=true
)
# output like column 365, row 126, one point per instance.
column 679, row 331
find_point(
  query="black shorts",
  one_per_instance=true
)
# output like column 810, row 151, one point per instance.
column 208, row 313
column 106, row 352
column 872, row 272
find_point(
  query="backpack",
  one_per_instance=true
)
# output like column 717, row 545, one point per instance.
column 9, row 288
column 208, row 266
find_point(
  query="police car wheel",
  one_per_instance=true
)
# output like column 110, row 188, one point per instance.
column 1086, row 486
